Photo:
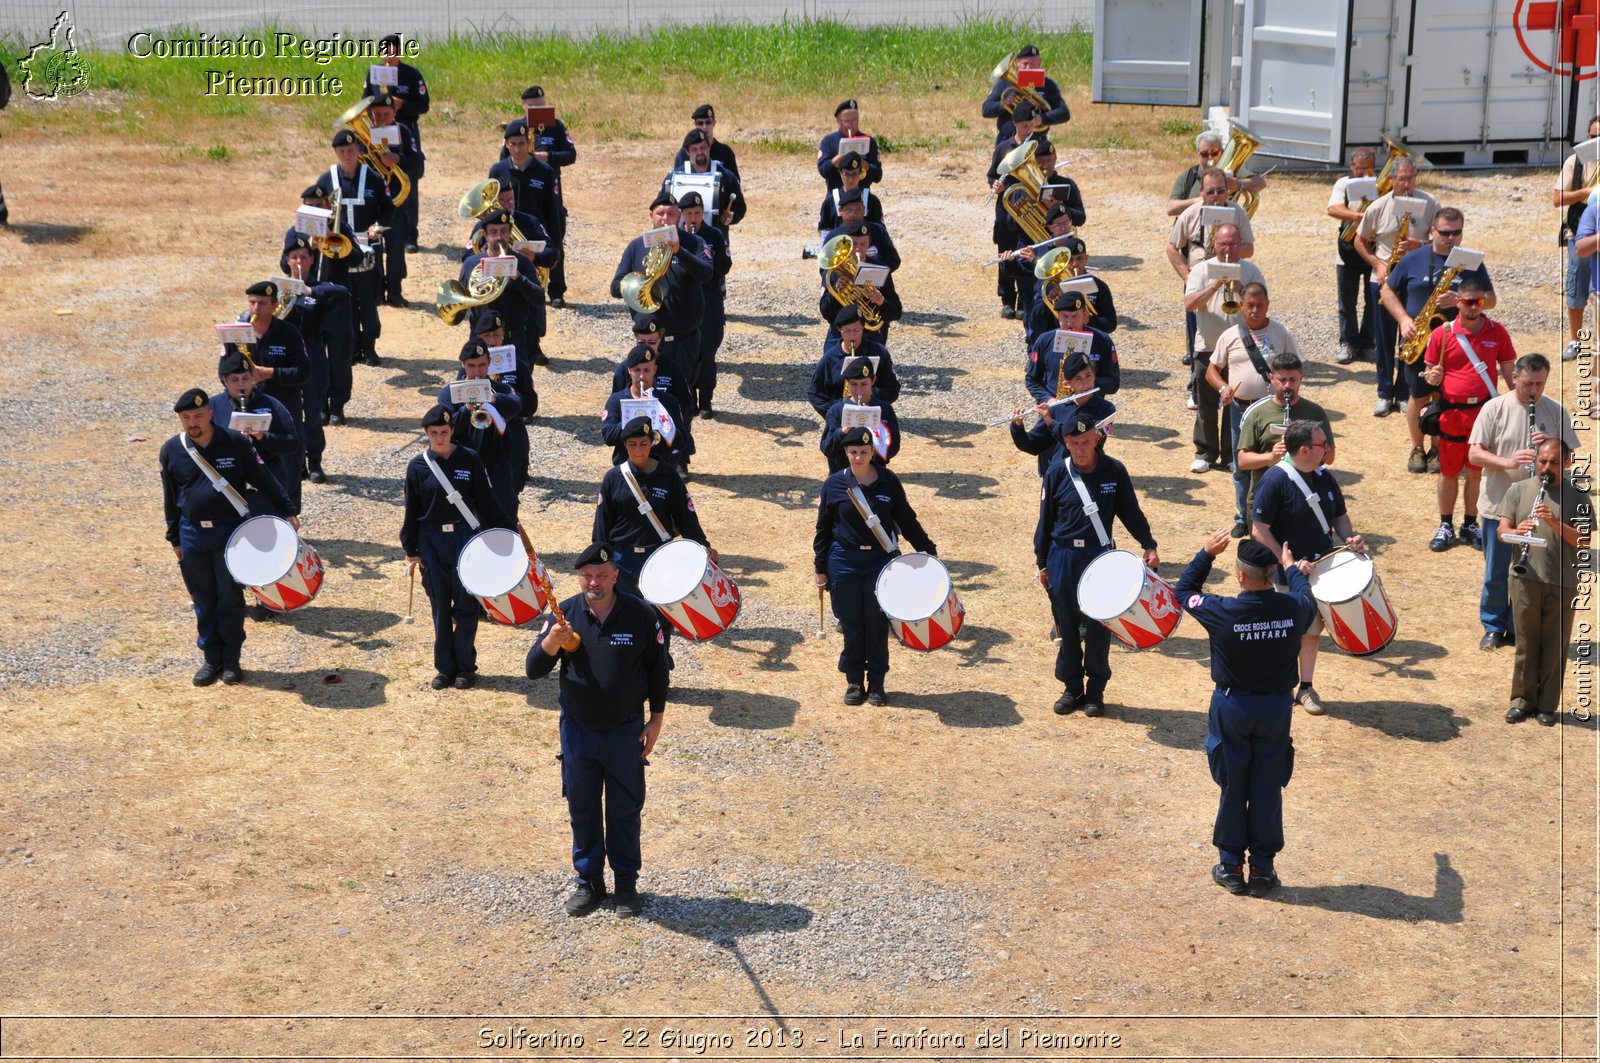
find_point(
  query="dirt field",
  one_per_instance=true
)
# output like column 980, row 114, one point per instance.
column 334, row 838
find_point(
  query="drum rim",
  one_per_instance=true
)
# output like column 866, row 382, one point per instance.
column 705, row 555
column 1138, row 593
column 294, row 558
column 516, row 541
column 944, row 601
column 1345, row 558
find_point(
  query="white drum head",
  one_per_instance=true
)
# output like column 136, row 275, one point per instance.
column 673, row 572
column 913, row 586
column 261, row 551
column 1110, row 585
column 1341, row 577
column 492, row 563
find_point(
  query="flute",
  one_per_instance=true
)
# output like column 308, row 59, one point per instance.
column 1053, row 404
column 1035, row 248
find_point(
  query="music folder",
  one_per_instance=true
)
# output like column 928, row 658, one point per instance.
column 1358, row 188
column 502, row 359
column 858, row 145
column 1413, row 206
column 1223, row 271
column 1068, row 341
column 463, row 392
column 1030, row 79
column 500, row 265
column 293, row 285
column 541, row 116
column 237, row 333
column 872, row 274
column 385, row 134
column 312, row 221
column 383, row 76
column 661, row 236
column 1588, row 151
column 249, row 422
column 1081, row 285
column 1467, row 259
column 1214, row 216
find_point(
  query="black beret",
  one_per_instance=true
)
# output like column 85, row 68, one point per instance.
column 857, row 437
column 850, row 195
column 1255, row 554
column 859, row 229
column 293, row 241
column 858, row 369
column 847, row 105
column 193, row 399
column 517, row 127
column 1075, row 246
column 703, row 112
column 1070, row 301
column 854, row 164
column 1043, row 147
column 497, row 216
column 344, row 138
column 694, row 136
column 473, row 348
column 266, row 288
column 437, row 415
column 533, row 92
column 486, row 320
column 595, row 554
column 1058, row 210
column 1075, row 363
column 1028, row 51
column 314, row 192
column 663, row 199
column 1077, row 426
column 382, row 99
column 691, row 201
column 1024, row 113
column 645, row 325
column 389, row 39
column 640, row 355
column 847, row 315
column 233, row 361
column 639, row 428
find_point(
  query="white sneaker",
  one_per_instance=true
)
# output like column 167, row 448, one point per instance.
column 1346, row 354
column 1199, row 465
column 1380, row 408
column 1189, row 403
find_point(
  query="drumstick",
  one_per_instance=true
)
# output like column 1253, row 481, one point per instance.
column 573, row 640
column 411, row 596
column 821, row 634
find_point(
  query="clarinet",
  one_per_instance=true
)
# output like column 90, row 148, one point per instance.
column 1520, row 566
column 1532, row 413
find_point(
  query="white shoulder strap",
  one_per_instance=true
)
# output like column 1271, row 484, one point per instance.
column 221, row 486
column 450, row 491
column 1477, row 363
column 876, row 525
column 644, row 503
column 1090, row 507
column 1310, row 496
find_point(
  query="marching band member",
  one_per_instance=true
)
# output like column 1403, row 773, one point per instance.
column 1063, row 191
column 1042, row 317
column 1572, row 192
column 829, row 155
column 853, row 219
column 1024, row 123
column 642, row 383
column 365, row 207
column 489, row 329
column 1299, row 514
column 332, row 276
column 730, row 206
column 883, row 296
column 411, row 102
column 1552, row 507
column 668, row 375
column 534, row 183
column 1263, row 427
column 1044, row 364
column 1081, row 494
column 532, row 230
column 1045, row 437
column 1189, row 243
column 1352, row 272
column 323, row 316
column 1204, row 292
column 832, row 214
column 1375, row 242
column 715, row 322
column 448, row 500
column 1254, row 640
column 279, row 360
column 1003, row 92
column 1466, row 381
column 520, row 304
column 860, row 510
column 408, row 158
column 860, row 380
column 552, row 145
column 204, row 472
column 1405, row 292
column 705, row 119
column 278, row 445
column 1063, row 214
column 643, row 503
column 1509, row 429
column 1239, row 371
column 680, row 291
column 847, row 340
column 1188, row 189
column 617, row 668
column 497, row 443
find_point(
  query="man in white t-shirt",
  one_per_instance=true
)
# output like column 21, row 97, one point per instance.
column 1240, row 376
column 1203, row 296
column 1353, row 272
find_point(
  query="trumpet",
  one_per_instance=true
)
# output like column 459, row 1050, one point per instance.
column 479, row 418
column 1230, row 297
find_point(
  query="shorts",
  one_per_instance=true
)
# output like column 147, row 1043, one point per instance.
column 1420, row 388
column 1453, row 455
column 1579, row 274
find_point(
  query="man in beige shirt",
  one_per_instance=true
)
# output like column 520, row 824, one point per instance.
column 1376, row 237
column 1202, row 302
column 1239, row 381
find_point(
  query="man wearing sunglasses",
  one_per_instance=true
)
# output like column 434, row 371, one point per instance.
column 1186, row 189
column 1462, row 360
column 1404, row 293
column 705, row 120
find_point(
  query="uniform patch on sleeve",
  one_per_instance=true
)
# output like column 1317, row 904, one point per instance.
column 604, row 414
column 689, row 502
column 1195, row 600
column 661, row 636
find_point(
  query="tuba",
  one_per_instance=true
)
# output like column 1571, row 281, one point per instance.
column 839, row 261
column 359, row 122
column 1006, row 70
column 1240, row 146
column 454, row 300
column 1055, row 264
column 639, row 287
column 1024, row 200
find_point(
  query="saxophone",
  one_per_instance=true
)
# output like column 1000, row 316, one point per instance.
column 1400, row 236
column 1429, row 318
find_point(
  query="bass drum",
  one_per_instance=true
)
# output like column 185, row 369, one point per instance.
column 267, row 555
column 680, row 579
column 915, row 593
column 493, row 568
column 1133, row 603
column 1352, row 604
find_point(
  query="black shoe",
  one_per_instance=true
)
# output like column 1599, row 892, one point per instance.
column 586, row 898
column 316, row 475
column 412, row 249
column 398, row 301
column 335, row 419
column 324, row 419
column 1507, row 639
column 440, row 681
column 371, row 358
column 232, row 675
column 877, row 696
column 1546, row 719
column 465, row 680
column 206, row 674
column 1230, row 877
column 559, row 303
column 1093, row 706
column 1008, row 313
column 1067, row 703
column 1240, row 529
column 706, row 411
column 628, row 903
column 1188, row 359
column 540, row 358
column 854, row 695
column 1518, row 711
column 1263, row 880
column 1492, row 640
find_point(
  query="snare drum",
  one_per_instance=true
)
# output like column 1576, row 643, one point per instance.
column 266, row 555
column 1133, row 603
column 1350, row 598
column 915, row 593
column 493, row 568
column 682, row 581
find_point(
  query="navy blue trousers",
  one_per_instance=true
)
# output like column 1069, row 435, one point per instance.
column 1083, row 663
column 455, row 612
column 853, row 581
column 218, row 600
column 602, row 775
column 1252, row 758
column 1392, row 382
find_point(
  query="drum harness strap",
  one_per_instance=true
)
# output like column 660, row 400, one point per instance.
column 1090, row 508
column 221, row 486
column 1311, row 498
column 644, row 504
column 885, row 540
column 450, row 492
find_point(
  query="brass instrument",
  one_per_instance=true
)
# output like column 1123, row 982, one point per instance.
column 1063, row 386
column 285, row 304
column 359, row 122
column 1006, row 69
column 336, row 244
column 1385, row 183
column 479, row 417
column 479, row 200
column 1428, row 318
column 1401, row 234
column 1240, row 146
column 454, row 300
column 1520, row 565
column 1024, row 200
column 1231, row 297
column 1056, row 264
column 839, row 258
column 639, row 287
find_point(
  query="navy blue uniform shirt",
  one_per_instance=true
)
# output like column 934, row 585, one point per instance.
column 827, row 380
column 492, row 446
column 1064, row 524
column 187, row 494
column 620, row 666
column 617, row 519
column 669, row 379
column 1285, row 512
column 1255, row 638
column 828, row 214
column 682, row 290
column 1050, row 92
column 838, row 520
column 1044, row 364
column 829, row 147
column 427, row 506
column 1044, row 438
column 720, row 152
column 833, row 431
column 534, row 191
column 363, row 199
column 611, row 426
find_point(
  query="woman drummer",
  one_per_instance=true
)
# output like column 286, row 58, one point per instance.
column 849, row 553
column 438, row 523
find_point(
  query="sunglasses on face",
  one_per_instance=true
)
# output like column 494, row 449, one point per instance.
column 1216, row 153
column 1448, row 232
column 1471, row 302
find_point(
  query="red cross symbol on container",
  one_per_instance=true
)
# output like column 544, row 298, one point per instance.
column 1573, row 22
